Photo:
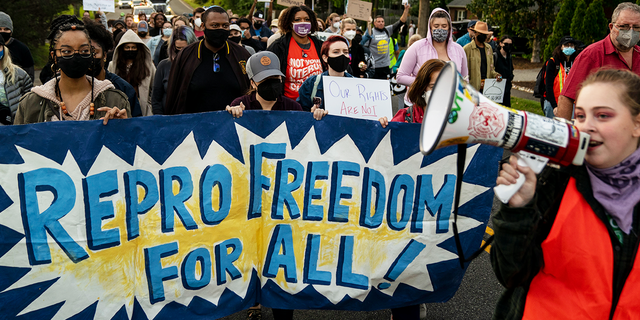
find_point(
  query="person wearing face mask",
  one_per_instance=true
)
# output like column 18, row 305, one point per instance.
column 556, row 72
column 14, row 83
column 480, row 57
column 438, row 44
column 73, row 95
column 198, row 26
column 418, row 93
column 132, row 62
column 298, row 51
column 157, row 45
column 377, row 40
column 504, row 66
column 358, row 64
column 209, row 74
column 235, row 35
column 618, row 50
column 335, row 59
column 180, row 39
column 259, row 31
column 333, row 23
column 101, row 43
column 20, row 53
column 143, row 32
column 247, row 40
column 274, row 28
column 263, row 70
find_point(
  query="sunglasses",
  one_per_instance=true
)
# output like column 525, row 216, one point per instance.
column 216, row 66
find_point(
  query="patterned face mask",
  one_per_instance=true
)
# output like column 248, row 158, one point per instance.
column 439, row 35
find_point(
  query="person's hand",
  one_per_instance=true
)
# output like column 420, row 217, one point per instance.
column 370, row 19
column 99, row 11
column 555, row 112
column 318, row 113
column 384, row 122
column 112, row 113
column 508, row 176
column 256, row 38
column 499, row 77
column 236, row 111
column 407, row 7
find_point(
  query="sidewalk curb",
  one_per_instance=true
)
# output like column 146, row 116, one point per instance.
column 527, row 90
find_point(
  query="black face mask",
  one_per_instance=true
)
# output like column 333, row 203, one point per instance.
column 235, row 39
column 130, row 55
column 96, row 67
column 216, row 37
column 481, row 38
column 116, row 32
column 507, row 47
column 257, row 25
column 74, row 67
column 357, row 39
column 5, row 36
column 270, row 89
column 339, row 63
column 142, row 34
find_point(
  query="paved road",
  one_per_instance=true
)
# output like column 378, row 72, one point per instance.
column 524, row 74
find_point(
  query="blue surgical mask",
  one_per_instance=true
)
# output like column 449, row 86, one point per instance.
column 568, row 51
column 167, row 32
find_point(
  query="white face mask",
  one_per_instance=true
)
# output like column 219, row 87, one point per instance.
column 336, row 25
column 426, row 96
column 350, row 34
column 198, row 22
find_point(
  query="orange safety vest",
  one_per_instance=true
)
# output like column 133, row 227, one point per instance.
column 576, row 281
column 558, row 82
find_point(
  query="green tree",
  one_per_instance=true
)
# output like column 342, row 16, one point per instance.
column 576, row 23
column 595, row 23
column 31, row 19
column 532, row 19
column 561, row 27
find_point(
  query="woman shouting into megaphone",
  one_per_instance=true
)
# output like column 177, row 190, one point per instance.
column 418, row 94
column 566, row 244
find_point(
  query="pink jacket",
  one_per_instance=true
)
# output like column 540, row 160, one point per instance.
column 423, row 50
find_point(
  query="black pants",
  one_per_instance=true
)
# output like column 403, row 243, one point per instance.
column 382, row 73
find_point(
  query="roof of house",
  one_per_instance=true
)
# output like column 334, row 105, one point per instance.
column 459, row 3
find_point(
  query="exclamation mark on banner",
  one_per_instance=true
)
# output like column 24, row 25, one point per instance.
column 410, row 252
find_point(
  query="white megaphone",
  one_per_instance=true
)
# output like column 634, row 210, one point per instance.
column 456, row 114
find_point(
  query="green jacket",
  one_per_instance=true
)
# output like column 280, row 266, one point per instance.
column 34, row 108
column 473, row 61
column 516, row 253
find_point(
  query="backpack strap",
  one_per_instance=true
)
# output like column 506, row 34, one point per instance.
column 408, row 116
column 315, row 86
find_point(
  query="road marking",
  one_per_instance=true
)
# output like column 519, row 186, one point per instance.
column 489, row 231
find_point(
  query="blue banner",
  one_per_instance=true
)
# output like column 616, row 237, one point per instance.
column 203, row 215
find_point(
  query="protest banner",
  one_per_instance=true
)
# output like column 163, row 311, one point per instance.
column 357, row 98
column 290, row 3
column 203, row 215
column 359, row 10
column 494, row 90
column 98, row 5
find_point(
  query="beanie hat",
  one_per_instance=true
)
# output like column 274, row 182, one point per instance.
column 5, row 21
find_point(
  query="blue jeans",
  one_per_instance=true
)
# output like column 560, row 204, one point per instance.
column 548, row 109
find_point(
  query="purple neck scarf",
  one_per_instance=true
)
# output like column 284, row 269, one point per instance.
column 617, row 189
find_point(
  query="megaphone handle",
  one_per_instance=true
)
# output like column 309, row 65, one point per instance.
column 505, row 192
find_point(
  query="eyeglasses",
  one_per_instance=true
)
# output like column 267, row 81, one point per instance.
column 216, row 66
column 68, row 53
column 626, row 27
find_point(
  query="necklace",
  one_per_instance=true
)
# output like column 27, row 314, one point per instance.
column 63, row 107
